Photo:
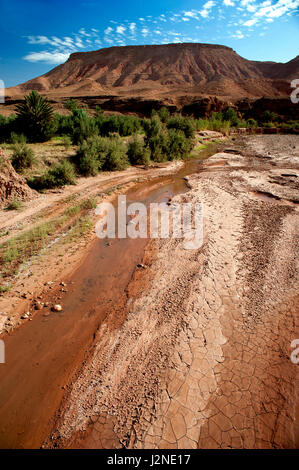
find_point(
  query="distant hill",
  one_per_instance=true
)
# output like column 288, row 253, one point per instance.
column 161, row 71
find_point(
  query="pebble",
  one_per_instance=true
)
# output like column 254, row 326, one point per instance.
column 57, row 308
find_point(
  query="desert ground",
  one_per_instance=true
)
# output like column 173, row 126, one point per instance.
column 164, row 347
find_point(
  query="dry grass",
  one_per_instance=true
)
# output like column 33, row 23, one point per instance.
column 46, row 155
column 19, row 249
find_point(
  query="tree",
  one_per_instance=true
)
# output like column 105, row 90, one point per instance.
column 35, row 117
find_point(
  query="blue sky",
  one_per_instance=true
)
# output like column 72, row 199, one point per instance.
column 38, row 35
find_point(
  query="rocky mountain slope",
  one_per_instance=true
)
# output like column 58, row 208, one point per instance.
column 160, row 71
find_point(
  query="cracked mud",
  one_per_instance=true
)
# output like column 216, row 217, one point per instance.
column 202, row 359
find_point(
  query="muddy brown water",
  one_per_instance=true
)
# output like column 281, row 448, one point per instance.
column 43, row 354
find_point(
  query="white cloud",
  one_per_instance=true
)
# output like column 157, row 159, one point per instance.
column 48, row 57
column 250, row 22
column 108, row 30
column 228, row 3
column 120, row 29
column 206, row 8
column 238, row 35
column 277, row 10
column 190, row 14
column 208, row 5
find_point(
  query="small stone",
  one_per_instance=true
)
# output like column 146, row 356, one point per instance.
column 25, row 316
column 57, row 308
column 139, row 265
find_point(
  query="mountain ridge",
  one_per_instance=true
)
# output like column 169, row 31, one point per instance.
column 153, row 70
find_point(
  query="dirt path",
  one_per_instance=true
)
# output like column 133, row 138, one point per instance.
column 202, row 357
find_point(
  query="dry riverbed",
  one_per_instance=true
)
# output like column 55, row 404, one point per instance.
column 196, row 351
column 202, row 356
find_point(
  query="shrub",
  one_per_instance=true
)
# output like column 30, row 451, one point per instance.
column 152, row 127
column 86, row 158
column 158, row 145
column 268, row 116
column 71, row 104
column 251, row 123
column 101, row 153
column 18, row 138
column 15, row 205
column 231, row 115
column 35, row 117
column 213, row 124
column 122, row 125
column 182, row 123
column 137, row 153
column 164, row 114
column 60, row 175
column 66, row 141
column 7, row 126
column 83, row 126
column 116, row 156
column 202, row 124
column 22, row 157
column 178, row 145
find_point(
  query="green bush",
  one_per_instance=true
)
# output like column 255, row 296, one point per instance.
column 268, row 116
column 83, row 126
column 61, row 174
column 158, row 145
column 251, row 123
column 164, row 114
column 101, row 153
column 7, row 127
column 214, row 123
column 87, row 159
column 15, row 205
column 231, row 115
column 138, row 154
column 116, row 156
column 122, row 125
column 66, row 141
column 18, row 138
column 178, row 145
column 22, row 157
column 182, row 123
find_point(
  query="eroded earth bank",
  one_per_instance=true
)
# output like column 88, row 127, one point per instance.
column 202, row 356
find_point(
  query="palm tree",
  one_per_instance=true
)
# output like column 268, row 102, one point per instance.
column 35, row 117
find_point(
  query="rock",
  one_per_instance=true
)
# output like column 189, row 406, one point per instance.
column 57, row 308
column 139, row 265
column 38, row 306
column 25, row 316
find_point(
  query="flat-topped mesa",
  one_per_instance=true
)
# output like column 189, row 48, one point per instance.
column 154, row 71
column 149, row 48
